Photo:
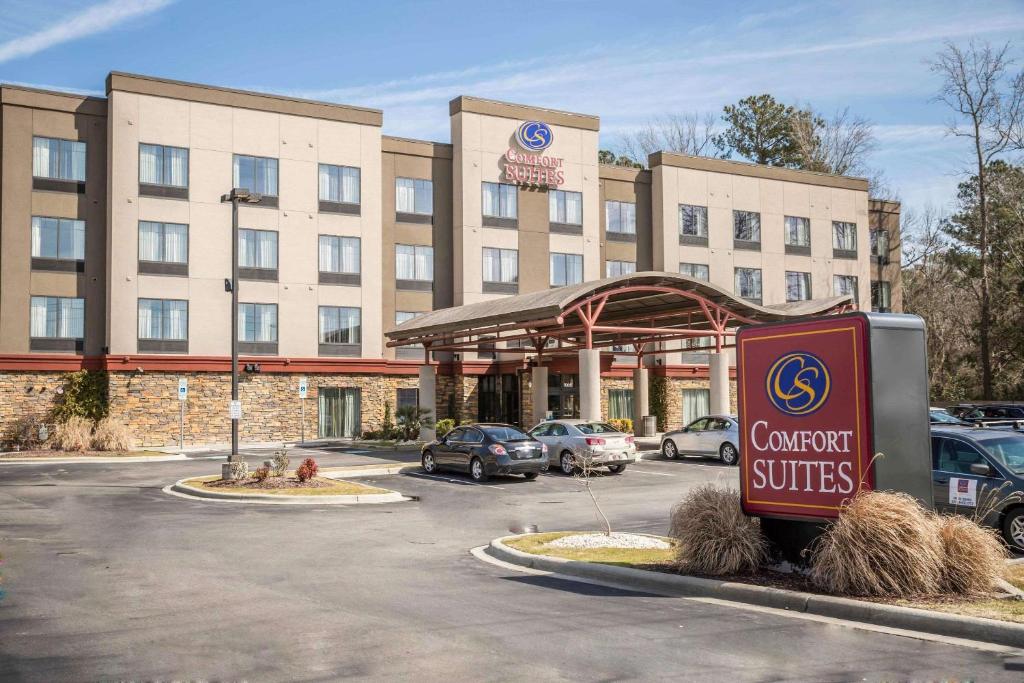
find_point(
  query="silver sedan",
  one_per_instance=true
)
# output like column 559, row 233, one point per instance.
column 714, row 435
column 572, row 443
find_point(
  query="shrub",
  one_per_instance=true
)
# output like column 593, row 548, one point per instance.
column 882, row 544
column 444, row 426
column 623, row 424
column 387, row 427
column 281, row 462
column 714, row 535
column 25, row 432
column 261, row 473
column 112, row 435
column 307, row 470
column 973, row 557
column 239, row 469
column 658, row 401
column 84, row 395
column 411, row 419
column 73, row 434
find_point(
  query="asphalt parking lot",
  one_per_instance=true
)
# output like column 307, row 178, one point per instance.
column 108, row 577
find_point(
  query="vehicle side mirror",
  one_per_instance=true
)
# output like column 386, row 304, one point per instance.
column 982, row 469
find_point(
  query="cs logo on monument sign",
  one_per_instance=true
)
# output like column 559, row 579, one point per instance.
column 798, row 383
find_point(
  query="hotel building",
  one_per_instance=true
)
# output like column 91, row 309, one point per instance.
column 115, row 252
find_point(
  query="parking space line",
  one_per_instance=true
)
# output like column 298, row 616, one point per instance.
column 658, row 474
column 453, row 481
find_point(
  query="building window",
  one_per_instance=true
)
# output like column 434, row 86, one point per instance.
column 500, row 201
column 696, row 404
column 565, row 209
column 257, row 254
column 500, row 270
column 339, row 260
column 340, row 330
column 57, row 243
column 163, row 248
column 56, row 323
column 163, row 325
column 411, row 350
column 58, row 159
column 339, row 184
column 697, row 271
column 880, row 246
column 798, row 233
column 257, row 327
column 414, row 266
column 407, row 398
column 620, row 404
column 844, row 239
column 693, row 224
column 798, row 286
column 566, row 269
column 746, row 229
column 845, row 284
column 414, row 196
column 620, row 218
column 748, row 283
column 616, row 268
column 258, row 175
column 163, row 167
column 881, row 296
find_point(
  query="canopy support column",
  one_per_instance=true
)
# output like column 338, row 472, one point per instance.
column 428, row 401
column 718, row 373
column 640, row 404
column 539, row 385
column 590, row 384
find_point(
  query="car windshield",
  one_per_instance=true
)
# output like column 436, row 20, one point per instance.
column 596, row 428
column 944, row 417
column 1009, row 450
column 505, row 434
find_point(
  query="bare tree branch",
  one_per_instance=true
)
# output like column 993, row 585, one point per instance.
column 691, row 134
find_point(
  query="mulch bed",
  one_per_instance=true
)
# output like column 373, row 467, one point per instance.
column 270, row 483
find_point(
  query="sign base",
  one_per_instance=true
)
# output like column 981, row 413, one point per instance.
column 790, row 539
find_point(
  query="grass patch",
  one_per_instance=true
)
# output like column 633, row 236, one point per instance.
column 51, row 453
column 325, row 487
column 639, row 558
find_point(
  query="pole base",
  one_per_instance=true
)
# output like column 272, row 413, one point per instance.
column 227, row 472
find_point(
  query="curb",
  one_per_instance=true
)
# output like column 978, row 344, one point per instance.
column 908, row 618
column 353, row 472
column 368, row 499
column 92, row 460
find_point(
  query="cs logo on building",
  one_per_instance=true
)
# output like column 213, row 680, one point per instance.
column 534, row 136
column 798, row 383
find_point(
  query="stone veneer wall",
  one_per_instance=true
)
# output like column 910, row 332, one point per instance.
column 27, row 394
column 148, row 403
column 609, row 383
column 675, row 397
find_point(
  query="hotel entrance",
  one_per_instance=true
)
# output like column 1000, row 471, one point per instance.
column 564, row 395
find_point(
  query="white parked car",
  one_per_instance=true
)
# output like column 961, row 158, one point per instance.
column 571, row 443
column 711, row 435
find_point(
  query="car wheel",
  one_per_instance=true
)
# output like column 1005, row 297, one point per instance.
column 566, row 462
column 429, row 464
column 616, row 469
column 1013, row 528
column 669, row 450
column 728, row 453
column 530, row 476
column 477, row 471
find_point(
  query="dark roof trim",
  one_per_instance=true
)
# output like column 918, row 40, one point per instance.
column 756, row 170
column 476, row 105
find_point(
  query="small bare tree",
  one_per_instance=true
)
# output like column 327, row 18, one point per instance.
column 584, row 473
column 988, row 106
column 839, row 144
column 692, row 134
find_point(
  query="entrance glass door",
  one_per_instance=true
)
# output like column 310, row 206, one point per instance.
column 564, row 396
column 339, row 412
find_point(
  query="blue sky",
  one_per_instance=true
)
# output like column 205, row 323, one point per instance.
column 627, row 62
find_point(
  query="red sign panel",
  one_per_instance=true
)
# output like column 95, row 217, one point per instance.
column 805, row 422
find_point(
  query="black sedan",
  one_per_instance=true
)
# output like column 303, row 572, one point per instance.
column 979, row 473
column 486, row 449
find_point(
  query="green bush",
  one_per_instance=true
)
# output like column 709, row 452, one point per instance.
column 658, row 397
column 24, row 433
column 444, row 426
column 623, row 424
column 85, row 395
column 411, row 419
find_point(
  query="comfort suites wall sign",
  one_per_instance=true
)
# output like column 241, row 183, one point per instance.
column 526, row 166
column 804, row 418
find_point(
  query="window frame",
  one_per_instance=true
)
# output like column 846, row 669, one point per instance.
column 797, row 248
column 608, row 264
column 267, row 199
column 877, row 287
column 417, row 282
column 262, row 273
column 502, row 286
column 760, row 284
column 698, row 238
column 415, row 216
column 617, row 206
column 253, row 345
column 163, row 267
column 161, row 344
column 565, row 256
column 806, row 276
column 502, row 219
column 340, row 348
column 57, row 262
column 705, row 266
column 740, row 216
column 164, row 189
column 58, row 342
column 61, row 183
column 343, row 204
column 836, row 277
column 839, row 251
column 558, row 204
column 339, row 277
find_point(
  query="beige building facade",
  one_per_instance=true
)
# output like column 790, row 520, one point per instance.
column 115, row 251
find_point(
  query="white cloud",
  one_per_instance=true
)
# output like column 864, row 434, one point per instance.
column 96, row 19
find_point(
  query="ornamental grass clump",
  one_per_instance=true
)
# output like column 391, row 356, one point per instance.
column 111, row 435
column 882, row 544
column 973, row 557
column 73, row 434
column 714, row 535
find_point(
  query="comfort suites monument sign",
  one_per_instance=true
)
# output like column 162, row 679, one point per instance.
column 817, row 399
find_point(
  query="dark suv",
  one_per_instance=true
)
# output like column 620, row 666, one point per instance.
column 991, row 413
column 977, row 469
column 486, row 449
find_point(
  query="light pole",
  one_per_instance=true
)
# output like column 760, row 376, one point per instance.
column 235, row 196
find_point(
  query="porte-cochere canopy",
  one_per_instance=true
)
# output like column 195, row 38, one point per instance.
column 642, row 309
